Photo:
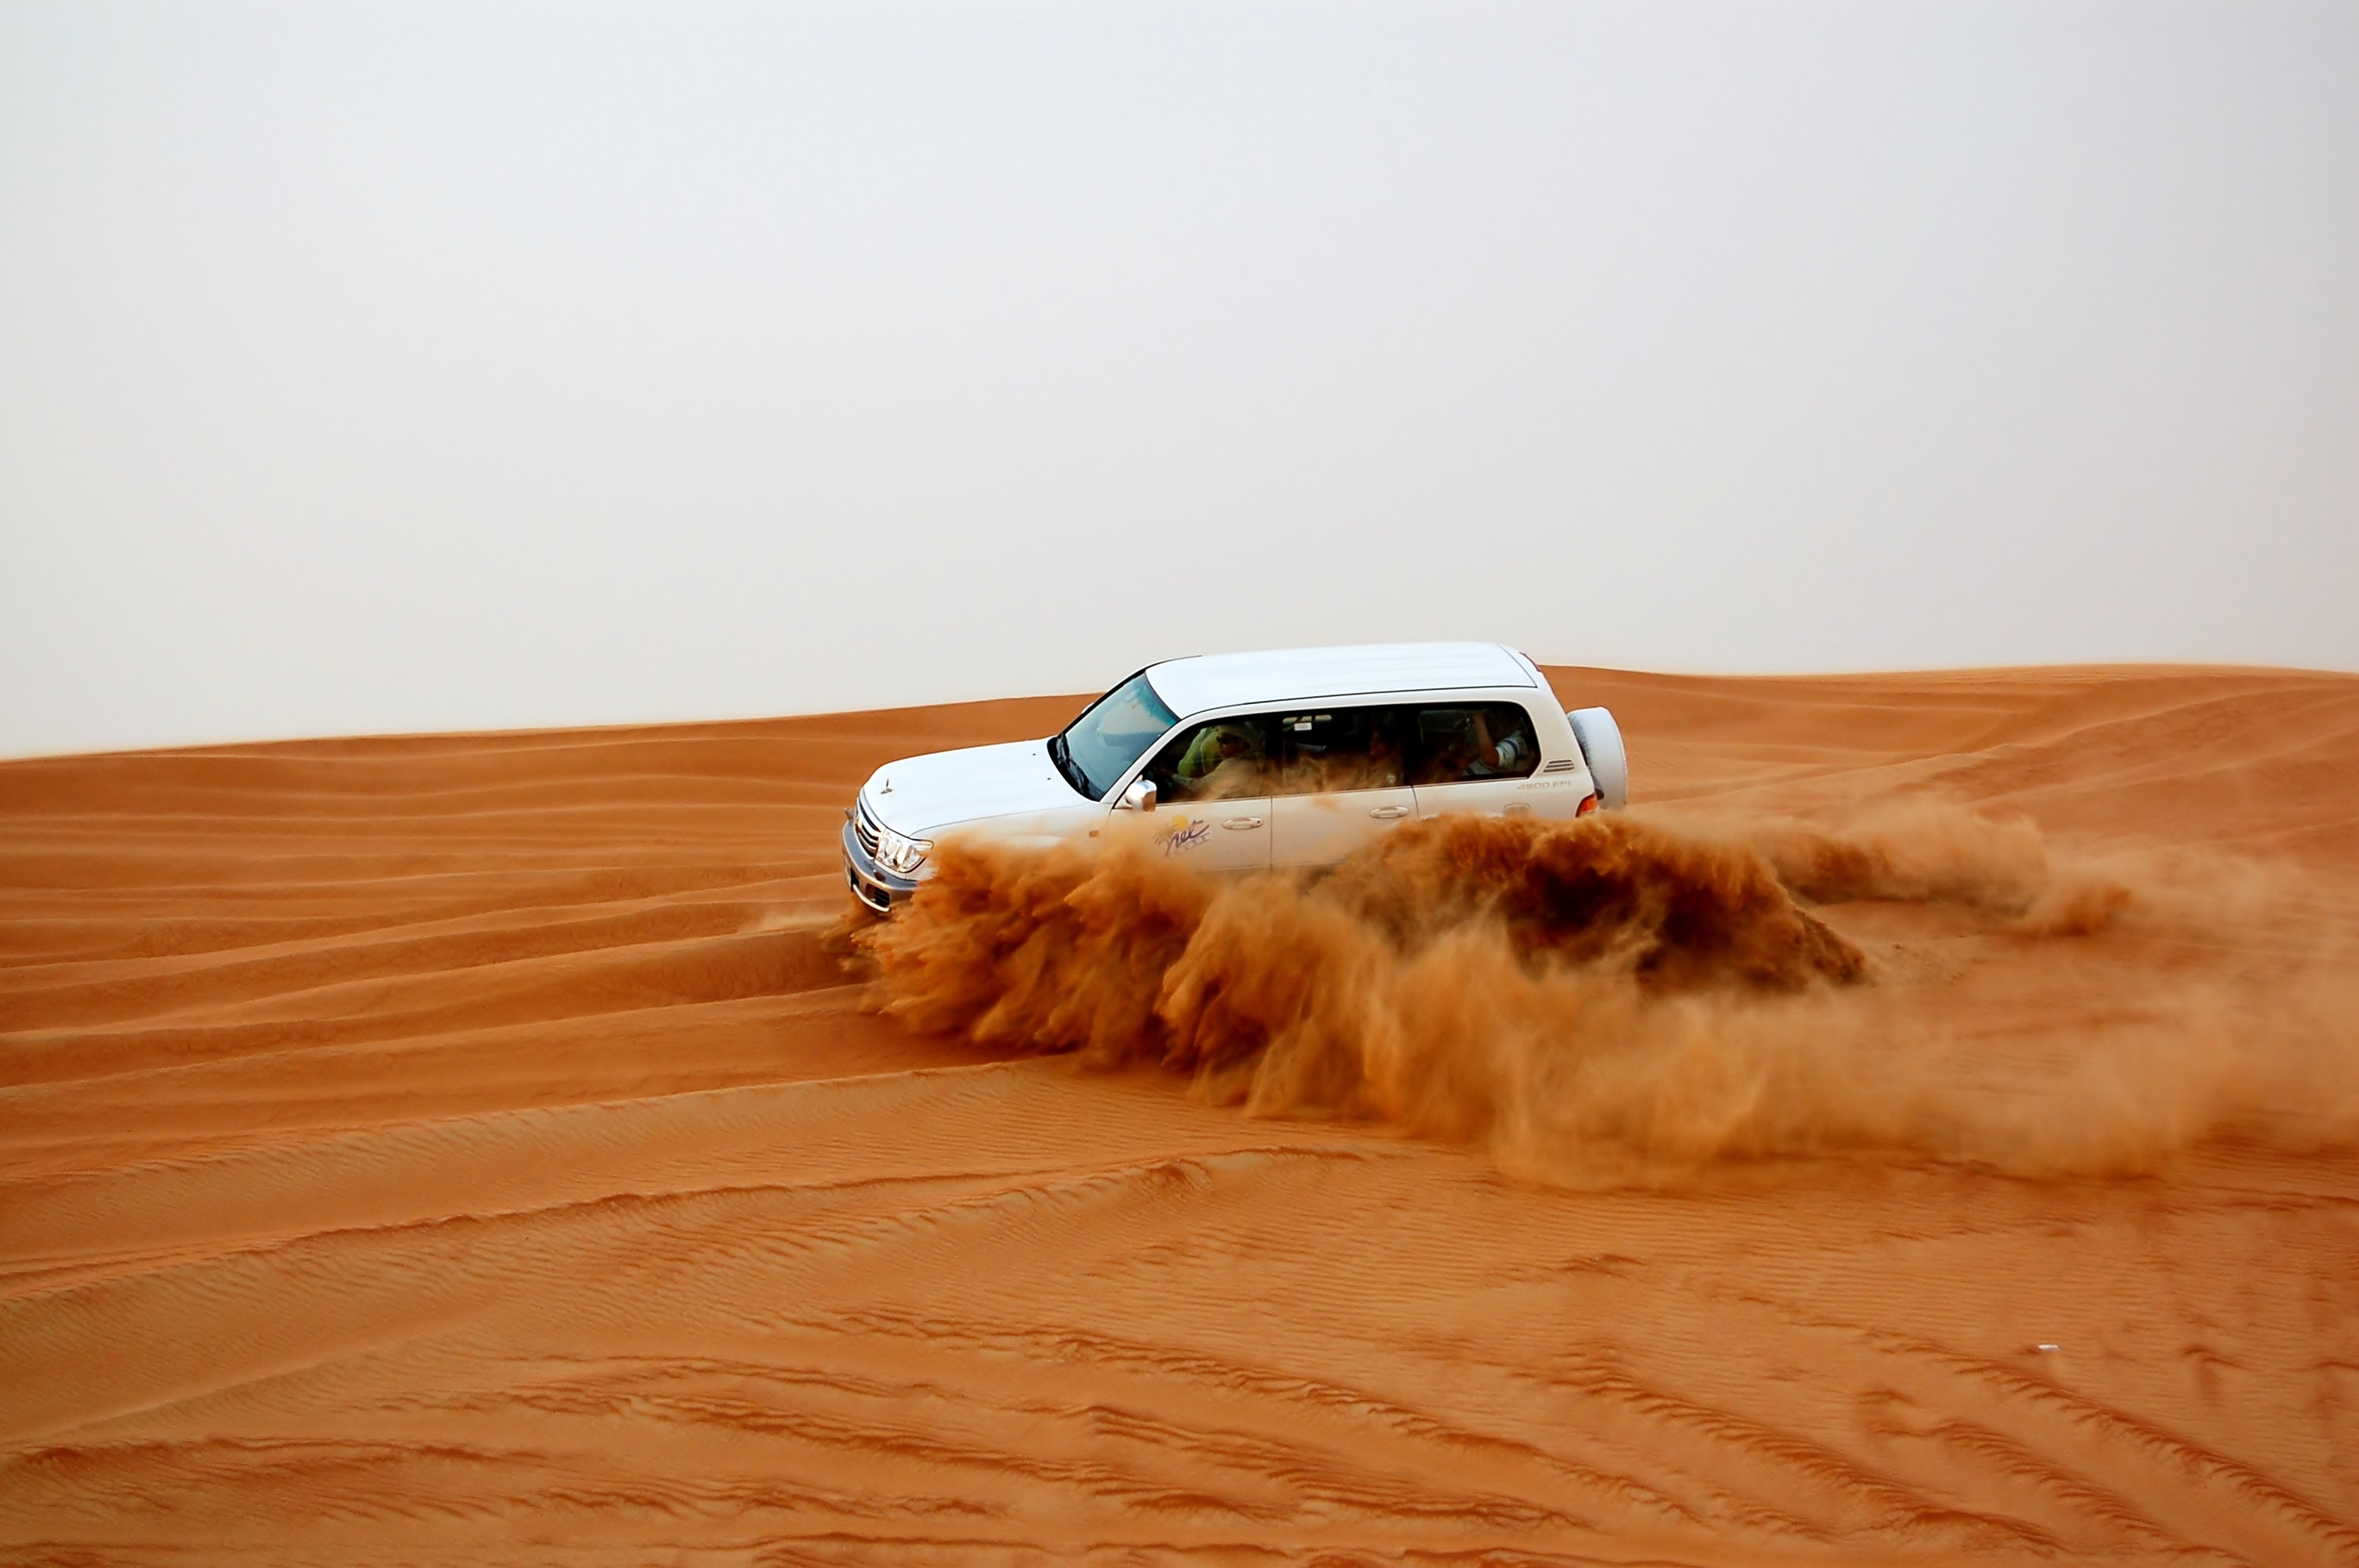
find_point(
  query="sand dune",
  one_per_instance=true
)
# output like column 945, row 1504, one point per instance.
column 475, row 1148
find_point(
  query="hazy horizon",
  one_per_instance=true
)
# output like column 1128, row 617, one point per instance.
column 400, row 368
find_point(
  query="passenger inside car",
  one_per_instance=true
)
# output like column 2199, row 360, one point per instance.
column 1462, row 744
column 1349, row 749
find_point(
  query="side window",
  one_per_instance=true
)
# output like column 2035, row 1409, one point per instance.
column 1324, row 751
column 1478, row 740
column 1227, row 759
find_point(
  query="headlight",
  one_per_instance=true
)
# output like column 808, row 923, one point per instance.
column 895, row 853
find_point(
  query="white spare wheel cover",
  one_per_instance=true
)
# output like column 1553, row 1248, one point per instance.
column 1601, row 746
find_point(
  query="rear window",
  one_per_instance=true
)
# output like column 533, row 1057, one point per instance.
column 1462, row 743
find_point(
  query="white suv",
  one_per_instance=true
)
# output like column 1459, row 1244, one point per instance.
column 1250, row 761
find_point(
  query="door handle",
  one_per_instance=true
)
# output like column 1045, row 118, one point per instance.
column 1388, row 812
column 1241, row 821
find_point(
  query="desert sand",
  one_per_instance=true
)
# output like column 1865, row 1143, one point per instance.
column 490, row 1149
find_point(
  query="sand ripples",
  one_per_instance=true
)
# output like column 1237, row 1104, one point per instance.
column 472, row 1150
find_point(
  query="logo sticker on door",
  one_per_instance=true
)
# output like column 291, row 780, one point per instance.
column 1181, row 834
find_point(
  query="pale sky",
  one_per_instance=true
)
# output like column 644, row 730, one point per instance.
column 422, row 367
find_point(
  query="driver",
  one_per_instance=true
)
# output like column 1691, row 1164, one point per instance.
column 1222, row 763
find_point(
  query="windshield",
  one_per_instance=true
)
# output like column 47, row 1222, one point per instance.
column 1115, row 732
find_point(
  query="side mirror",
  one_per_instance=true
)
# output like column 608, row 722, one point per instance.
column 1139, row 796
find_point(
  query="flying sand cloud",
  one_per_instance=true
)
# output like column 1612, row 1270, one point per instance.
column 1612, row 998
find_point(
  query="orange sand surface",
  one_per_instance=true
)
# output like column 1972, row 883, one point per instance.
column 479, row 1148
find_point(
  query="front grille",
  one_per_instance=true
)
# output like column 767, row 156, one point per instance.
column 866, row 827
column 875, row 898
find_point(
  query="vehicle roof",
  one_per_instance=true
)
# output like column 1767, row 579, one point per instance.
column 1292, row 675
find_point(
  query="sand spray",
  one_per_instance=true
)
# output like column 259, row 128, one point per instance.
column 1633, row 997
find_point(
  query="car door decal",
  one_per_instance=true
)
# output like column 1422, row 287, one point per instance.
column 1183, row 834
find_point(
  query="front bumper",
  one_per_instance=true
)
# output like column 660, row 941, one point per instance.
column 870, row 883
